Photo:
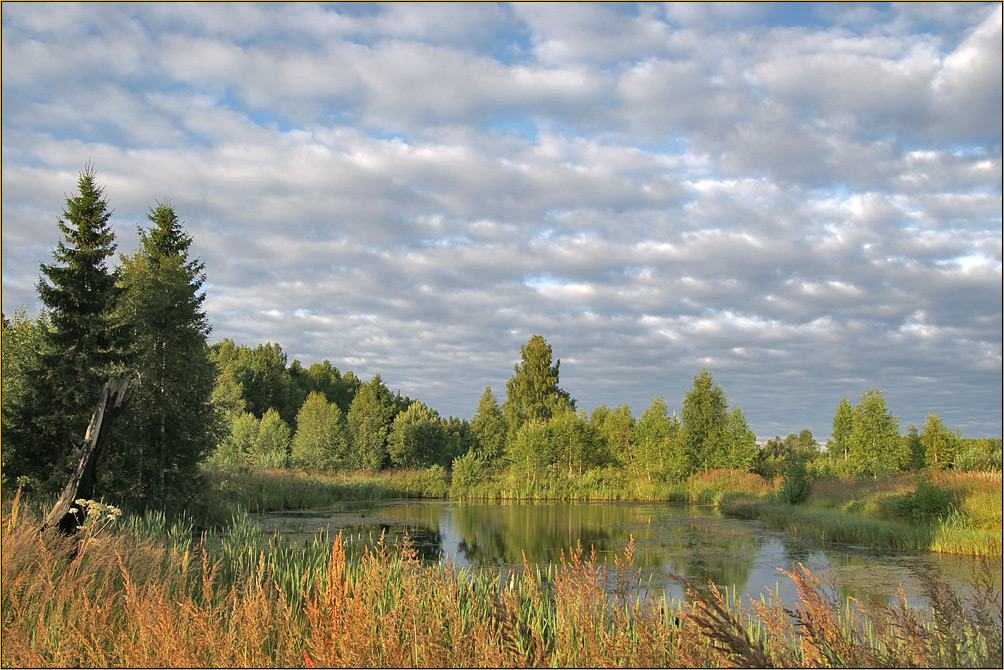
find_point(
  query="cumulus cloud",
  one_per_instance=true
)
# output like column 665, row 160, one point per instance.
column 805, row 200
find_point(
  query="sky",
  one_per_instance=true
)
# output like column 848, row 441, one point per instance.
column 803, row 199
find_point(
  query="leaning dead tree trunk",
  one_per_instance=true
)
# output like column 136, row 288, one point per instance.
column 81, row 484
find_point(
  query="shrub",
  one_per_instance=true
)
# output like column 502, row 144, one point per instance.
column 468, row 471
column 796, row 485
column 928, row 502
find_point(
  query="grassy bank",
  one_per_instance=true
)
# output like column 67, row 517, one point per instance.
column 956, row 513
column 230, row 491
column 615, row 484
column 127, row 594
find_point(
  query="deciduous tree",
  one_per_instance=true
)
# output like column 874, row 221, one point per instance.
column 940, row 444
column 368, row 418
column 705, row 412
column 875, row 446
column 417, row 436
column 321, row 441
column 488, row 428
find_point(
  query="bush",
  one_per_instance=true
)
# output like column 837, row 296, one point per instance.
column 927, row 503
column 796, row 485
column 468, row 471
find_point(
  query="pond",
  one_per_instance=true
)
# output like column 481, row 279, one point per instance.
column 693, row 541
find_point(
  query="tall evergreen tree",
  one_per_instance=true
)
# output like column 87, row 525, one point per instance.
column 532, row 393
column 79, row 348
column 171, row 425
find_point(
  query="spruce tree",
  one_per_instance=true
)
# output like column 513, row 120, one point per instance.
column 78, row 349
column 171, row 424
column 532, row 393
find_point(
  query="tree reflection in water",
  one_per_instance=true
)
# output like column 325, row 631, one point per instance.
column 692, row 541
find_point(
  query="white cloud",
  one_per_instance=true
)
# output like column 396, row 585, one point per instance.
column 808, row 209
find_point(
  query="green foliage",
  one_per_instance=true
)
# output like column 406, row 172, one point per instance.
column 613, row 431
column 171, row 424
column 738, row 442
column 488, row 427
column 368, row 417
column 843, row 426
column 796, row 485
column 772, row 460
column 572, row 442
column 704, row 419
column 238, row 444
column 939, row 444
column 532, row 393
column 21, row 341
column 44, row 428
column 981, row 454
column 530, row 453
column 271, row 446
column 468, row 471
column 417, row 436
column 875, row 447
column 913, row 448
column 927, row 503
column 657, row 451
column 321, row 441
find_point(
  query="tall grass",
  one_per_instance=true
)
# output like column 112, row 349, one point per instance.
column 230, row 490
column 957, row 513
column 113, row 598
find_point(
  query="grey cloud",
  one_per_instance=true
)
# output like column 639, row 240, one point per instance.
column 651, row 191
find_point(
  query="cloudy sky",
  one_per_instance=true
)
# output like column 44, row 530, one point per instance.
column 803, row 199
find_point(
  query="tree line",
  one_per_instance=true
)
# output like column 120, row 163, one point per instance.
column 234, row 405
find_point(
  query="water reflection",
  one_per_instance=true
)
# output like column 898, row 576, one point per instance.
column 692, row 541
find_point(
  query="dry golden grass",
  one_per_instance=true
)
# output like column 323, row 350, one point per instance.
column 109, row 600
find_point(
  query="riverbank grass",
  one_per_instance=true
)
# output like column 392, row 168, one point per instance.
column 956, row 513
column 111, row 597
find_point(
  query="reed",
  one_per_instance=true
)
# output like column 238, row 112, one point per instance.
column 114, row 597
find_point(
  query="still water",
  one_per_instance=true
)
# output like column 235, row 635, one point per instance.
column 693, row 541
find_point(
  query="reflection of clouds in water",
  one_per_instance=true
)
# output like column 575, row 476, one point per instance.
column 692, row 541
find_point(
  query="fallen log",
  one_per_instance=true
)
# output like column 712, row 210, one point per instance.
column 81, row 484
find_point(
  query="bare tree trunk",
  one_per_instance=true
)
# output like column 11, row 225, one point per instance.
column 81, row 484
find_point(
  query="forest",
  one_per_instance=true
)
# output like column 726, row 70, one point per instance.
column 230, row 405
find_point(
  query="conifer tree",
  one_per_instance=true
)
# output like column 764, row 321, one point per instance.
column 78, row 290
column 171, row 424
column 532, row 393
